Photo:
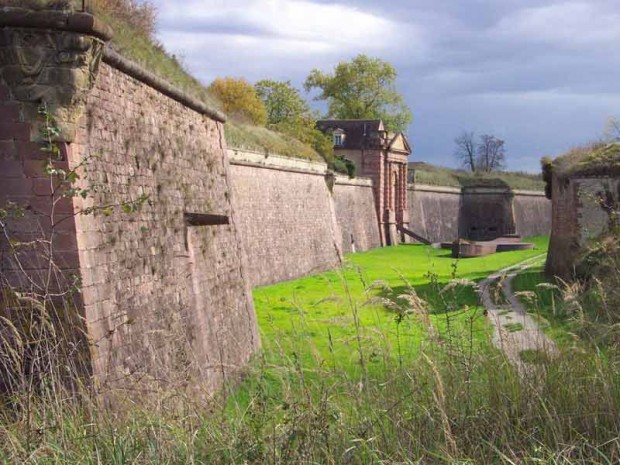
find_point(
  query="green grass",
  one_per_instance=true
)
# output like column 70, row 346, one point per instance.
column 600, row 159
column 440, row 176
column 543, row 300
column 243, row 136
column 319, row 317
column 513, row 327
column 536, row 357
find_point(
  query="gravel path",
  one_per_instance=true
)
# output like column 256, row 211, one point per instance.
column 515, row 330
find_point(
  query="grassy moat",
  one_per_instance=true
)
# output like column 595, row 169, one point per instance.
column 387, row 360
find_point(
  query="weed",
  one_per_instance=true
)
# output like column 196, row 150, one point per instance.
column 513, row 327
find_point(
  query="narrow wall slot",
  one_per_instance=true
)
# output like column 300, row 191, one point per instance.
column 205, row 219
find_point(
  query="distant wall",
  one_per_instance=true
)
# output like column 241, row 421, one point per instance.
column 286, row 216
column 486, row 213
column 356, row 214
column 532, row 213
column 434, row 212
column 443, row 214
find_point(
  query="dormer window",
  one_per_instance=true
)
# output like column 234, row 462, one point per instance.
column 339, row 138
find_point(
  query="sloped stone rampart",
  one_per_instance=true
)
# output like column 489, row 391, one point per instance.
column 356, row 214
column 434, row 212
column 163, row 299
column 286, row 216
column 532, row 213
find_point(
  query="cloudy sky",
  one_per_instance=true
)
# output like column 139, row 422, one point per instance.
column 542, row 75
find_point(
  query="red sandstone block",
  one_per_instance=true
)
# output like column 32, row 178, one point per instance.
column 34, row 168
column 16, row 131
column 44, row 204
column 11, row 168
column 30, row 150
column 9, row 113
column 15, row 186
column 8, row 151
column 43, row 186
column 64, row 241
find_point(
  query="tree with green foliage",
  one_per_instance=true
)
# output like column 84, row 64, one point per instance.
column 364, row 88
column 289, row 113
column 239, row 100
column 283, row 102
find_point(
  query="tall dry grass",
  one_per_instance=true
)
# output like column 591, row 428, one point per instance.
column 451, row 405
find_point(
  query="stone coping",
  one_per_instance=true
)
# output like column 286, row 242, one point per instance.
column 431, row 188
column 346, row 181
column 49, row 19
column 529, row 193
column 275, row 162
column 487, row 190
column 136, row 71
column 473, row 190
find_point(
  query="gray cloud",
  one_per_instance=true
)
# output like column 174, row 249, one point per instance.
column 540, row 74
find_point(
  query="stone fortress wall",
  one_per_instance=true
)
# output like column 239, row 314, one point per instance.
column 443, row 214
column 286, row 216
column 356, row 214
column 434, row 211
column 164, row 297
column 160, row 291
column 166, row 289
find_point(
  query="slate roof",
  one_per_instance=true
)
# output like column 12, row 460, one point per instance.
column 362, row 133
column 359, row 133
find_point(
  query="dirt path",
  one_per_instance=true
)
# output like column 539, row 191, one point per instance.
column 515, row 332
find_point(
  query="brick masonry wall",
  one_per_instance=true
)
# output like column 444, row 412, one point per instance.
column 356, row 214
column 532, row 211
column 434, row 212
column 563, row 244
column 578, row 217
column 285, row 216
column 24, row 183
column 163, row 300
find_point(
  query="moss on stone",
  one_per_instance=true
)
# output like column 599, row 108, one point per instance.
column 594, row 160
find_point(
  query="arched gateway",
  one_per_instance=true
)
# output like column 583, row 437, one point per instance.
column 382, row 156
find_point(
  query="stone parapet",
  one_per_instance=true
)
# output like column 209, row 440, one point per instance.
column 431, row 188
column 260, row 160
column 360, row 182
column 134, row 70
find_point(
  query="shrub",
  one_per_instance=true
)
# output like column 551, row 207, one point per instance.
column 239, row 100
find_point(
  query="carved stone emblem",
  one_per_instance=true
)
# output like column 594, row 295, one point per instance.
column 55, row 68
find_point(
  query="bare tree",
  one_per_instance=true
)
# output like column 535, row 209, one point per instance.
column 466, row 150
column 491, row 153
column 612, row 130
